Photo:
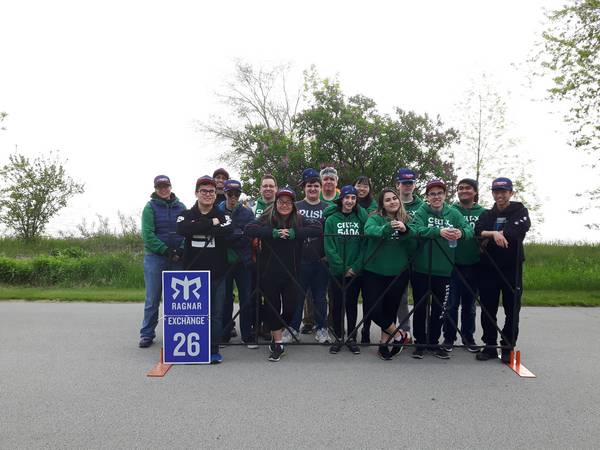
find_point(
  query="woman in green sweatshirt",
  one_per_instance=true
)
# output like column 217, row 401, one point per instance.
column 438, row 227
column 386, row 268
column 344, row 226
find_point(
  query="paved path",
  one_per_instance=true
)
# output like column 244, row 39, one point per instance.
column 71, row 375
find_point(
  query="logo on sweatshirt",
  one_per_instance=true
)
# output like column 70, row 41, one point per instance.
column 348, row 229
column 437, row 222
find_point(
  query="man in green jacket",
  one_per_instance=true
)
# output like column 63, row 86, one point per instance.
column 467, row 262
column 162, row 250
column 439, row 227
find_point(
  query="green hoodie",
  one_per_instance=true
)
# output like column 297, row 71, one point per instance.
column 260, row 207
column 349, row 244
column 467, row 251
column 387, row 251
column 427, row 223
column 412, row 207
column 330, row 202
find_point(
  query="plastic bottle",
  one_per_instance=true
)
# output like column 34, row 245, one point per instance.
column 451, row 242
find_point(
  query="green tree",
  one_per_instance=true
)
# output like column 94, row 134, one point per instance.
column 570, row 55
column 34, row 191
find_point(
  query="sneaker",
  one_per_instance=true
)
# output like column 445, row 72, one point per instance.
column 216, row 358
column 322, row 336
column 470, row 345
column 145, row 342
column 441, row 353
column 447, row 345
column 250, row 343
column 306, row 329
column 287, row 336
column 505, row 356
column 487, row 354
column 384, row 353
column 335, row 349
column 418, row 353
column 351, row 344
column 397, row 348
column 276, row 353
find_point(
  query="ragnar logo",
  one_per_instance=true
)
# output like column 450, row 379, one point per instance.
column 186, row 285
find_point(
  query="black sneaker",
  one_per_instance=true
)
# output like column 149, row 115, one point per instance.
column 505, row 356
column 486, row 354
column 418, row 353
column 145, row 342
column 384, row 353
column 306, row 329
column 441, row 353
column 447, row 345
column 470, row 345
column 335, row 349
column 277, row 351
column 351, row 344
column 397, row 348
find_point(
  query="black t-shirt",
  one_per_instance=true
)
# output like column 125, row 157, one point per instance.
column 313, row 249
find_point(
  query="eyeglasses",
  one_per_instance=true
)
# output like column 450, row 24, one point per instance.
column 163, row 186
column 233, row 193
column 435, row 194
column 284, row 202
column 207, row 191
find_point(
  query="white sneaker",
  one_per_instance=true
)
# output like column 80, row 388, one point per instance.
column 322, row 336
column 286, row 337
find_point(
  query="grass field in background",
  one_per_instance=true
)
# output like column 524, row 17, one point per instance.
column 109, row 268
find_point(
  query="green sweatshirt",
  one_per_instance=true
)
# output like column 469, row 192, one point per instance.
column 260, row 207
column 345, row 251
column 412, row 207
column 387, row 251
column 427, row 223
column 467, row 250
column 330, row 202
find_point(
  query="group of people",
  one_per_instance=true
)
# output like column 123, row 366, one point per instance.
column 300, row 266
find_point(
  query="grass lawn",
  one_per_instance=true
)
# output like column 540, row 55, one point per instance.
column 530, row 297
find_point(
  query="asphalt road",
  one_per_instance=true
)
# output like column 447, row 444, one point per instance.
column 71, row 375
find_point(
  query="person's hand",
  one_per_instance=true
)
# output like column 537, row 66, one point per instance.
column 216, row 221
column 398, row 225
column 500, row 240
column 350, row 273
column 451, row 234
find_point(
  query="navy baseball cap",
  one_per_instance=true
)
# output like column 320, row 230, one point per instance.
column 347, row 190
column 232, row 185
column 286, row 190
column 310, row 175
column 502, row 184
column 161, row 179
column 405, row 175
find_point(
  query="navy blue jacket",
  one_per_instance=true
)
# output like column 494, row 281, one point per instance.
column 238, row 241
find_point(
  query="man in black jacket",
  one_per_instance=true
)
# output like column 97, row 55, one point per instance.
column 504, row 226
column 205, row 228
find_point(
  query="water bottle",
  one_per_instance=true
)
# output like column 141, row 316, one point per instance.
column 451, row 242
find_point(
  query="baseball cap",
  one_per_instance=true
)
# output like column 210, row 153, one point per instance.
column 205, row 179
column 161, row 179
column 232, row 185
column 286, row 190
column 309, row 175
column 405, row 175
column 502, row 184
column 433, row 183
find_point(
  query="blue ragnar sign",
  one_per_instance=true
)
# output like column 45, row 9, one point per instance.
column 186, row 312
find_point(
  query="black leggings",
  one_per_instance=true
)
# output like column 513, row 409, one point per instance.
column 352, row 287
column 440, row 287
column 383, row 311
column 279, row 290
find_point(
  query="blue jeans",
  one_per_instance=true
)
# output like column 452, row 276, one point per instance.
column 241, row 275
column 217, row 303
column 460, row 296
column 313, row 276
column 153, row 268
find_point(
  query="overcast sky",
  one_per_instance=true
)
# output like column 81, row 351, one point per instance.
column 117, row 86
